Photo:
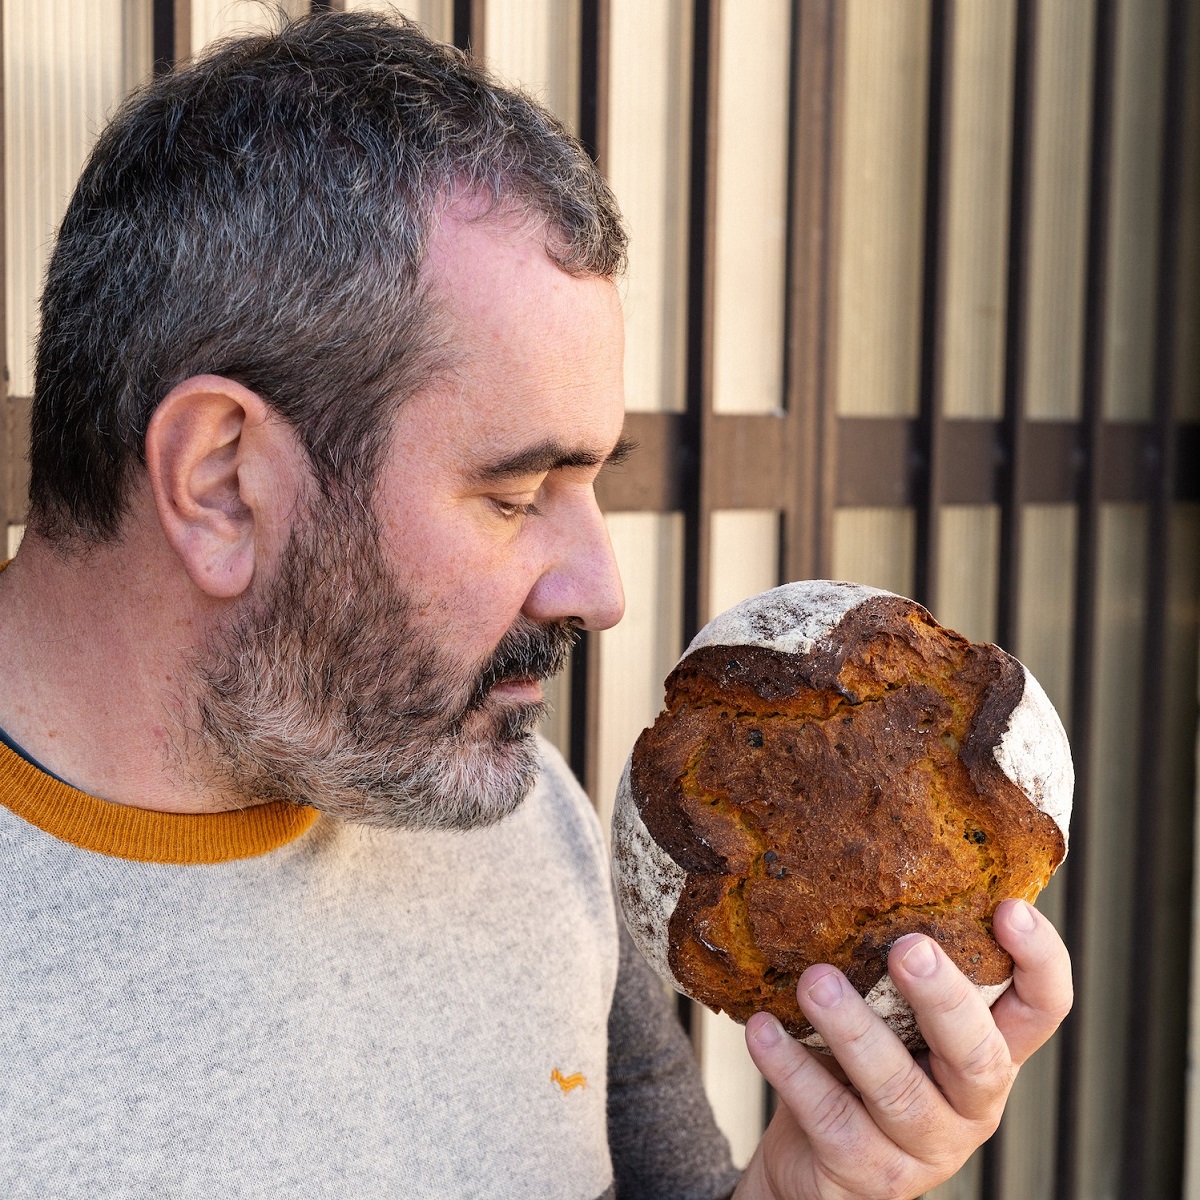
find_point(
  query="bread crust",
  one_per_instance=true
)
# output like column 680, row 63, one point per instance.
column 816, row 803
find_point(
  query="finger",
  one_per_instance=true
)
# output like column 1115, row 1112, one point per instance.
column 1041, row 993
column 900, row 1097
column 968, row 1055
column 846, row 1142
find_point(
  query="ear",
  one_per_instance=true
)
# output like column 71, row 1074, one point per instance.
column 215, row 470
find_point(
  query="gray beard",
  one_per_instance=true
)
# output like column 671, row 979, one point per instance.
column 325, row 691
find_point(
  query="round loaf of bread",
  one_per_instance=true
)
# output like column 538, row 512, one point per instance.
column 833, row 770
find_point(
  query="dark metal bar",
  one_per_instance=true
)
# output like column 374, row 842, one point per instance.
column 583, row 725
column 796, row 207
column 933, row 290
column 468, row 22
column 582, row 718
column 1016, row 427
column 162, row 35
column 1145, row 1138
column 698, row 387
column 701, row 241
column 1083, row 656
column 593, row 77
column 790, row 493
column 809, row 478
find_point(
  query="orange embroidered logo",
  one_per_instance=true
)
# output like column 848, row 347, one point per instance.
column 568, row 1083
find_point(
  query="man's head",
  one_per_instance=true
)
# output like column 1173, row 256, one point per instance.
column 340, row 247
column 388, row 668
column 263, row 215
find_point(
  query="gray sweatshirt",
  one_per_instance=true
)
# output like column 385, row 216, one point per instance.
column 268, row 1003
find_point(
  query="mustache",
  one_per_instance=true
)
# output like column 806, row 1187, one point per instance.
column 526, row 651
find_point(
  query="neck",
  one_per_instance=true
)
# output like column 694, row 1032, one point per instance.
column 94, row 657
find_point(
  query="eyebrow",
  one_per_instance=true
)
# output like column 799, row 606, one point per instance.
column 551, row 456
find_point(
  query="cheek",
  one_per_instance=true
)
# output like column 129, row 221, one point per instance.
column 464, row 584
column 470, row 614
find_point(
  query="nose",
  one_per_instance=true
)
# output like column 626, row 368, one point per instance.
column 581, row 582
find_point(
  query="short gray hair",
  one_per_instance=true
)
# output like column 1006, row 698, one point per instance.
column 263, row 214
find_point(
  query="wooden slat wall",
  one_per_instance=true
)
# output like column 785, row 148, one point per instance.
column 968, row 370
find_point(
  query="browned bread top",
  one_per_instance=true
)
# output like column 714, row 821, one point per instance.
column 816, row 802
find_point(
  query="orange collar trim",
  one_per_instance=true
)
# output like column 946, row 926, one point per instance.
column 143, row 834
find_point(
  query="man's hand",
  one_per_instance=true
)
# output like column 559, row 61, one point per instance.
column 900, row 1127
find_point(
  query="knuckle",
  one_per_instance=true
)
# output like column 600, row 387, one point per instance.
column 953, row 999
column 1050, row 1007
column 896, row 1177
column 904, row 1095
column 787, row 1075
column 988, row 1064
column 835, row 1115
column 862, row 1035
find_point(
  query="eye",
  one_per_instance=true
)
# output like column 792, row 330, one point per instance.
column 512, row 510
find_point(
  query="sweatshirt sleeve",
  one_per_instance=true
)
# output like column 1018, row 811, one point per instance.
column 664, row 1141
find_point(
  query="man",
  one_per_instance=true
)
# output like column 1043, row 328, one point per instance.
column 330, row 359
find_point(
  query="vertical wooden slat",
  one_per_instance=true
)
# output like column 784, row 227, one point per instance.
column 810, row 427
column 1083, row 658
column 933, row 291
column 183, row 47
column 1144, row 1137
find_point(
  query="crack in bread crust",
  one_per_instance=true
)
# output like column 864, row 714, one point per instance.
column 822, row 806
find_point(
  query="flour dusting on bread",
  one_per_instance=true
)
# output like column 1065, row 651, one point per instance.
column 791, row 618
column 648, row 879
column 1034, row 753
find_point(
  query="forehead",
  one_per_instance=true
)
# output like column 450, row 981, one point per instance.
column 534, row 353
column 491, row 277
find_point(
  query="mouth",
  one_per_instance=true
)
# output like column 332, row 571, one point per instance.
column 526, row 656
column 521, row 689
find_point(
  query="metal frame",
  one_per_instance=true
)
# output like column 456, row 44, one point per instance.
column 805, row 461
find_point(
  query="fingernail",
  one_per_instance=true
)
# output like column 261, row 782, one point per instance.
column 1021, row 917
column 826, row 990
column 921, row 958
column 768, row 1032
